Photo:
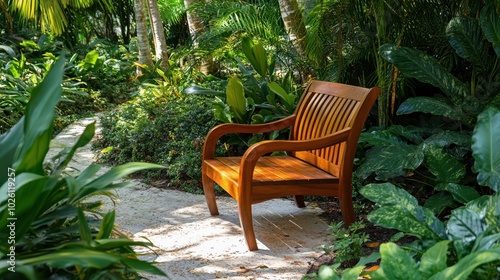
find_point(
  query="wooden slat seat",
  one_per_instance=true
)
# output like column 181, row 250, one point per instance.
column 320, row 152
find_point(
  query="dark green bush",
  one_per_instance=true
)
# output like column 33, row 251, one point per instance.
column 167, row 130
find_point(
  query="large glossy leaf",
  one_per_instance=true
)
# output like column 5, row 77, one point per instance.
column 464, row 267
column 441, row 164
column 460, row 193
column 397, row 264
column 256, row 54
column 400, row 210
column 29, row 191
column 9, row 143
column 38, row 121
column 415, row 64
column 464, row 227
column 490, row 23
column 428, row 105
column 434, row 259
column 380, row 138
column 446, row 138
column 391, row 161
column 486, row 148
column 235, row 98
column 439, row 202
column 287, row 98
column 465, row 37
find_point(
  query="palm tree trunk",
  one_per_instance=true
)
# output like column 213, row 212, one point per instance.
column 196, row 28
column 160, row 43
column 142, row 35
column 294, row 24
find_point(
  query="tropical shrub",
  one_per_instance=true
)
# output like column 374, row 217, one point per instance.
column 261, row 97
column 48, row 228
column 162, row 128
column 466, row 245
column 435, row 149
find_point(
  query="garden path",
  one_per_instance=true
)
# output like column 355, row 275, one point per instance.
column 191, row 244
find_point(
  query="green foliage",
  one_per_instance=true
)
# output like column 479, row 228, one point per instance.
column 485, row 148
column 347, row 243
column 166, row 129
column 91, row 82
column 258, row 98
column 466, row 245
column 45, row 218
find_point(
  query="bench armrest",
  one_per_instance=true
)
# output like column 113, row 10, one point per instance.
column 218, row 131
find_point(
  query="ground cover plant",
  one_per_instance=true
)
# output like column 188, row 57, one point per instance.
column 51, row 230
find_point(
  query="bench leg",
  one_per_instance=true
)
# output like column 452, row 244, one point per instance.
column 208, row 189
column 347, row 211
column 299, row 200
column 245, row 213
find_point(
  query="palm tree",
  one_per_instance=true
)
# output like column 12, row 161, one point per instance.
column 158, row 34
column 52, row 14
column 142, row 35
column 294, row 24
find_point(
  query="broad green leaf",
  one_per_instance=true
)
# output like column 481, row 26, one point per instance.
column 446, row 138
column 352, row 273
column 490, row 23
column 373, row 257
column 256, row 54
column 492, row 216
column 485, row 242
column 9, row 144
column 465, row 266
column 439, row 202
column 380, row 138
column 486, row 148
column 441, row 164
column 107, row 225
column 465, row 37
column 465, row 225
column 85, row 234
column 428, row 105
column 460, row 193
column 328, row 272
column 29, row 192
column 391, row 161
column 397, row 263
column 8, row 50
column 288, row 99
column 90, row 60
column 416, row 64
column 434, row 259
column 400, row 210
column 235, row 98
column 38, row 121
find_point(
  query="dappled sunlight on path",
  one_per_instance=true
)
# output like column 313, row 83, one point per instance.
column 191, row 244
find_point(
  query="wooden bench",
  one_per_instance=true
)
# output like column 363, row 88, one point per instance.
column 325, row 129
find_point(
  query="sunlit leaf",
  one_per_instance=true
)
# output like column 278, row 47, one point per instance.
column 486, row 148
column 428, row 105
column 490, row 23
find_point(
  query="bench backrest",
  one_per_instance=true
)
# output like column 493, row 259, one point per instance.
column 326, row 108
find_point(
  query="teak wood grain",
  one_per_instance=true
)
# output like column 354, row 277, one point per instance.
column 324, row 132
